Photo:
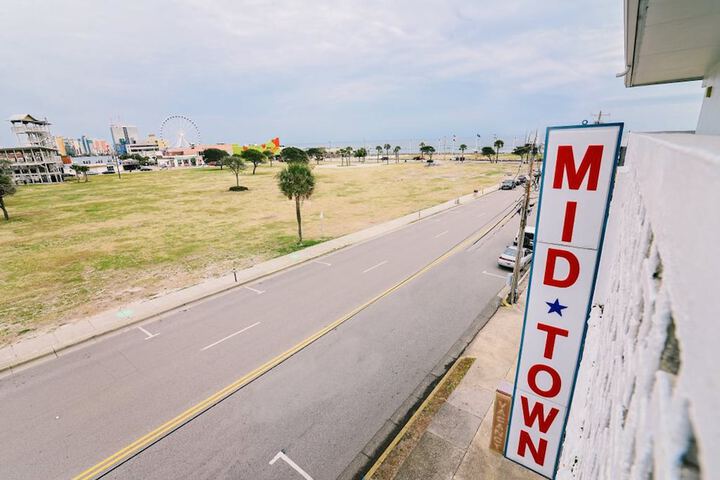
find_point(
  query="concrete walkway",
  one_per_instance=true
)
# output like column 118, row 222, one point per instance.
column 49, row 343
column 455, row 446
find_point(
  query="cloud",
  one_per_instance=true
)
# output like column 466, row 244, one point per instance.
column 288, row 65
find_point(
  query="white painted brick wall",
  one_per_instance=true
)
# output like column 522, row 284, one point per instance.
column 648, row 388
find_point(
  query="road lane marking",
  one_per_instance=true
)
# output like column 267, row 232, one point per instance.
column 504, row 277
column 375, row 266
column 481, row 215
column 294, row 465
column 323, row 263
column 183, row 418
column 149, row 335
column 230, row 336
column 259, row 292
column 441, row 234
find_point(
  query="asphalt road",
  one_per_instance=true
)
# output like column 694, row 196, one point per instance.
column 320, row 407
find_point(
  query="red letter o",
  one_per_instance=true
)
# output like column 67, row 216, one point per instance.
column 556, row 381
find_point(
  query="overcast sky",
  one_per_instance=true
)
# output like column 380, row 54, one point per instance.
column 319, row 71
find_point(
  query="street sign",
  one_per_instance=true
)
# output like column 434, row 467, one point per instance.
column 578, row 173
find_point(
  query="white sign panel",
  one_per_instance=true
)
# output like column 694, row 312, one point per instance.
column 578, row 173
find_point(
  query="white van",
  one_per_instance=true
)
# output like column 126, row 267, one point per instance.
column 529, row 241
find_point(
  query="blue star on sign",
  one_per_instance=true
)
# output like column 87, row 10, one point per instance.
column 555, row 307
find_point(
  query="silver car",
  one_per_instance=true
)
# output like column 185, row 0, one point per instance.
column 507, row 259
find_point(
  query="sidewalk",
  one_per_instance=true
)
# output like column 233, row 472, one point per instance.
column 455, row 445
column 50, row 343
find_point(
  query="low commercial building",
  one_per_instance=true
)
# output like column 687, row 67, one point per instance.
column 33, row 164
column 173, row 161
column 150, row 150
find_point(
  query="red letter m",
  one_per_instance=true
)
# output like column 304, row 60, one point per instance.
column 566, row 163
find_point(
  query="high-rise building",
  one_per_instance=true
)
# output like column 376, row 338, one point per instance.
column 86, row 145
column 60, row 145
column 123, row 135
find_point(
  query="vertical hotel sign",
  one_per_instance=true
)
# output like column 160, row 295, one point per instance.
column 578, row 174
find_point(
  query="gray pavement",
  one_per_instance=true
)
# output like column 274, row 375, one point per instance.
column 456, row 444
column 320, row 407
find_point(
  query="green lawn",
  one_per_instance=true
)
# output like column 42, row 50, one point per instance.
column 74, row 249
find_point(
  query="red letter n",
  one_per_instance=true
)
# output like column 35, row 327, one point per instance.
column 538, row 453
column 566, row 163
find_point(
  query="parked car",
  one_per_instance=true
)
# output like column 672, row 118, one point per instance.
column 529, row 241
column 522, row 179
column 507, row 259
column 508, row 184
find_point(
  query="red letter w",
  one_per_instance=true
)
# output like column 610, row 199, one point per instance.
column 538, row 412
column 566, row 163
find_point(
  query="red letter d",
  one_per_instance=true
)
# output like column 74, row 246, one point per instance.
column 573, row 263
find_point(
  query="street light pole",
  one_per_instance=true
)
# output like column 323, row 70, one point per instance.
column 117, row 165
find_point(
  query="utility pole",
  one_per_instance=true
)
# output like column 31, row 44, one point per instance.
column 513, row 296
column 599, row 116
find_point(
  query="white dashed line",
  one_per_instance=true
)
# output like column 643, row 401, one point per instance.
column 230, row 336
column 504, row 277
column 259, row 292
column 441, row 234
column 323, row 263
column 375, row 266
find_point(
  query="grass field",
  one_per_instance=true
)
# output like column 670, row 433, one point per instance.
column 72, row 250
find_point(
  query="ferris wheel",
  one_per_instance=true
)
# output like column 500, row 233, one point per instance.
column 179, row 131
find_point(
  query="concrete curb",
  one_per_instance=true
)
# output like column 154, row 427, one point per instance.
column 72, row 334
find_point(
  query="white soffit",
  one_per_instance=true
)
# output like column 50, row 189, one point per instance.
column 670, row 40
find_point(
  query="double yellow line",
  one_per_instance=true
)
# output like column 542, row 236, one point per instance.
column 167, row 427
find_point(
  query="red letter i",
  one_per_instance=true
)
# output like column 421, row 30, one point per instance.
column 569, row 221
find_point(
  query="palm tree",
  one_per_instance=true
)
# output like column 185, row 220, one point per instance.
column 361, row 153
column 498, row 145
column 422, row 145
column 463, row 147
column 396, row 151
column 387, row 147
column 297, row 182
column 379, row 150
